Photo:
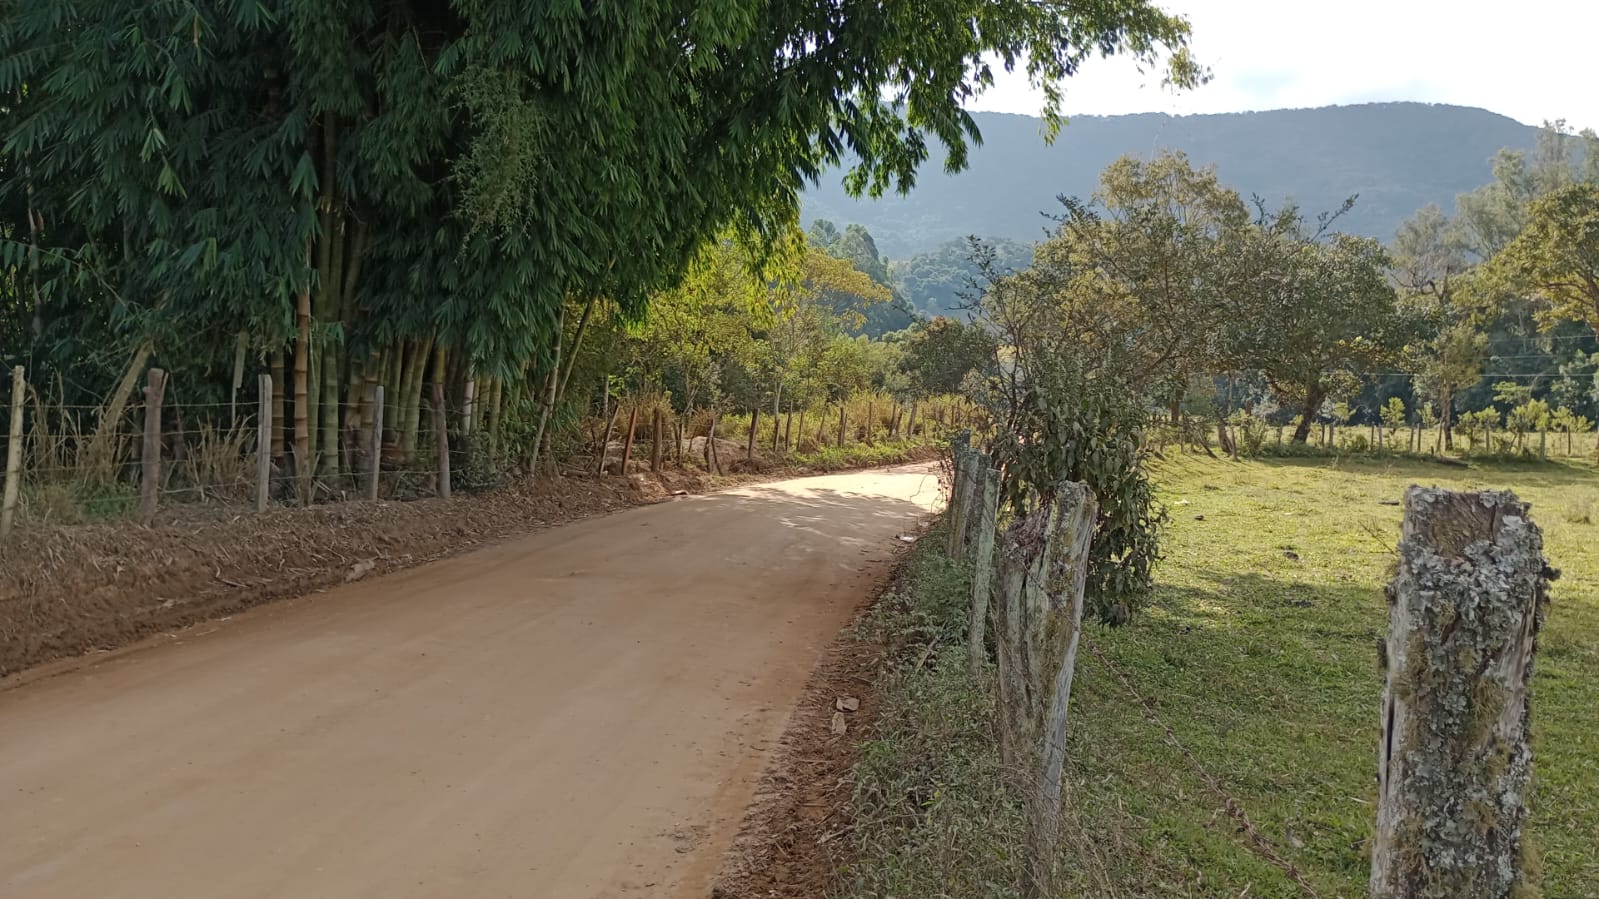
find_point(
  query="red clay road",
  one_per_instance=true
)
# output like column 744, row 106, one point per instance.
column 579, row 713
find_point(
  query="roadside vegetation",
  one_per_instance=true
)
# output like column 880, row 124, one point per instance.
column 1257, row 649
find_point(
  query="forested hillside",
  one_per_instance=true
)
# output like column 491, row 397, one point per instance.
column 1398, row 157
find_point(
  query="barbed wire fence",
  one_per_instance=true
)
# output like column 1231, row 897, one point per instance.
column 70, row 464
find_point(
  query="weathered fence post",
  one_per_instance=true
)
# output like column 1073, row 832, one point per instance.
column 842, row 420
column 1455, row 758
column 1038, row 621
column 1038, row 625
column 969, row 464
column 263, row 443
column 441, row 437
column 8, row 506
column 755, row 418
column 627, row 443
column 871, row 415
column 605, row 442
column 656, row 443
column 375, row 459
column 983, row 559
column 150, row 453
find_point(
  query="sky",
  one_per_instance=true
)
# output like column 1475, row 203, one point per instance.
column 1530, row 59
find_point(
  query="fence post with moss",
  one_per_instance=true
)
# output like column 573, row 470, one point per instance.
column 1455, row 758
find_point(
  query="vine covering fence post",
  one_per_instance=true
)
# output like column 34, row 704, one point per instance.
column 150, row 454
column 1038, row 626
column 1455, row 758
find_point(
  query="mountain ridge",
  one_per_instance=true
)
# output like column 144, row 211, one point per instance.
column 1397, row 157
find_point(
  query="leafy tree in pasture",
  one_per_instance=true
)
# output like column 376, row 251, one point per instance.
column 1431, row 271
column 1568, row 422
column 1556, row 256
column 1394, row 414
column 1150, row 252
column 1311, row 316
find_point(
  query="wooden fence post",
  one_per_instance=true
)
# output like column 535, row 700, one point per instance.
column 605, row 442
column 263, row 443
column 1455, row 758
column 375, row 460
column 969, row 464
column 713, row 460
column 755, row 418
column 8, row 506
column 150, row 454
column 627, row 444
column 871, row 414
column 842, row 420
column 1038, row 626
column 656, row 443
column 983, row 560
column 441, row 436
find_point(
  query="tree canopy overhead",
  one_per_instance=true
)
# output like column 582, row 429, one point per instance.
column 354, row 181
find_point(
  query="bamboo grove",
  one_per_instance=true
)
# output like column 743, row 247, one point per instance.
column 349, row 193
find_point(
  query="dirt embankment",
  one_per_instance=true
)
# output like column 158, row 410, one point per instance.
column 73, row 589
column 70, row 589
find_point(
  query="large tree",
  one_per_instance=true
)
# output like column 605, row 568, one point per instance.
column 1313, row 316
column 383, row 188
column 1556, row 256
column 1431, row 271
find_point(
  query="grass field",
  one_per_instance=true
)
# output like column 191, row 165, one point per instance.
column 1258, row 651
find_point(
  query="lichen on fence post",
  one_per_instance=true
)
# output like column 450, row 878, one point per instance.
column 1455, row 757
column 1038, row 625
column 983, row 564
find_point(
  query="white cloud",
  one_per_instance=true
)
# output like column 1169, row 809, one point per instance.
column 1529, row 60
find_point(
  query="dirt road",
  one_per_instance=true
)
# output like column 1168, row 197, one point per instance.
column 580, row 713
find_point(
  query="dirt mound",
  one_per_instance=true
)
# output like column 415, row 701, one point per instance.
column 70, row 589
